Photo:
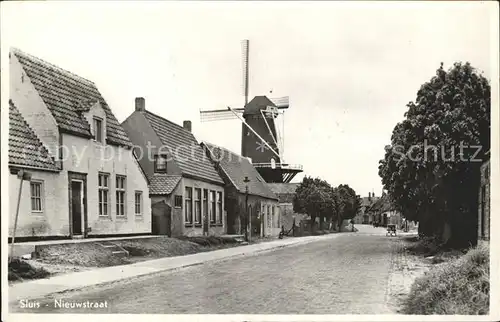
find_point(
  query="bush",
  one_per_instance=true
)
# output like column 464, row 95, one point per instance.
column 426, row 246
column 460, row 286
column 20, row 270
column 209, row 241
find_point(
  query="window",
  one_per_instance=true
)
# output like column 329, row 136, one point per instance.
column 205, row 202
column 188, row 209
column 161, row 163
column 138, row 203
column 212, row 208
column 178, row 201
column 103, row 194
column 219, row 207
column 98, row 130
column 120, row 196
column 197, row 205
column 36, row 196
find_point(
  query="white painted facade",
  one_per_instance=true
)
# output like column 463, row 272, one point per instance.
column 76, row 155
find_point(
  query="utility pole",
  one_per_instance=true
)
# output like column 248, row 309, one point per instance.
column 22, row 176
column 248, row 222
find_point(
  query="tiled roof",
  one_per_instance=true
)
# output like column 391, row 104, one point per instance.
column 367, row 201
column 163, row 184
column 237, row 168
column 25, row 149
column 187, row 153
column 66, row 95
column 382, row 204
column 283, row 188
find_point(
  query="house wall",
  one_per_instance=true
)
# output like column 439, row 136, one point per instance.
column 177, row 215
column 196, row 229
column 147, row 143
column 90, row 157
column 30, row 105
column 484, row 225
column 52, row 220
column 271, row 223
column 264, row 224
column 234, row 209
column 287, row 215
column 394, row 217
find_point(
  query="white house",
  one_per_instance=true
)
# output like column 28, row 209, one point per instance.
column 186, row 191
column 85, row 179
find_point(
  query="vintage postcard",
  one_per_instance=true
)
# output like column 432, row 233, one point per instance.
column 250, row 161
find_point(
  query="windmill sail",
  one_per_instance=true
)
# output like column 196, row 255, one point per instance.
column 245, row 46
column 262, row 140
column 219, row 115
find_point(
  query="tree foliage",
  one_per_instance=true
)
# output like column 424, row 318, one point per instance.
column 346, row 203
column 318, row 198
column 313, row 198
column 431, row 167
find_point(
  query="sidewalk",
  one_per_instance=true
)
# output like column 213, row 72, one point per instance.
column 43, row 287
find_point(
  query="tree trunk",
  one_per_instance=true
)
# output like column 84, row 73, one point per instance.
column 313, row 223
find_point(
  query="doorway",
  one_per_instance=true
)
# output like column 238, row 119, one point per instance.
column 77, row 206
column 161, row 219
column 77, row 194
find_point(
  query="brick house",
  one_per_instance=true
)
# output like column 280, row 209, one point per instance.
column 484, row 201
column 286, row 194
column 363, row 216
column 86, row 180
column 263, row 206
column 384, row 213
column 186, row 191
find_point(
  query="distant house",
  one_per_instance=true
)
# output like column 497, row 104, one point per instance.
column 263, row 206
column 286, row 194
column 85, row 178
column 484, row 201
column 383, row 212
column 187, row 193
column 363, row 216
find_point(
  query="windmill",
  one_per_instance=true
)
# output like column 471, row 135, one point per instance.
column 262, row 140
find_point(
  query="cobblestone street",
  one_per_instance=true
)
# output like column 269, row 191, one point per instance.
column 350, row 274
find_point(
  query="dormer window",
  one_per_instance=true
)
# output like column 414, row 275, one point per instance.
column 98, row 130
column 161, row 163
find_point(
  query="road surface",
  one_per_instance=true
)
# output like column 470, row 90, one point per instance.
column 344, row 275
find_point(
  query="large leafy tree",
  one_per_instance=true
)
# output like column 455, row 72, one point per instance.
column 346, row 203
column 431, row 167
column 313, row 197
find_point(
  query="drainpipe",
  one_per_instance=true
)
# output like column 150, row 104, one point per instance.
column 22, row 176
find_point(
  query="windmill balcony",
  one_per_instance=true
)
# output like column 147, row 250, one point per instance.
column 279, row 166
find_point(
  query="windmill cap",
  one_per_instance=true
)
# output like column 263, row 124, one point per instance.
column 257, row 104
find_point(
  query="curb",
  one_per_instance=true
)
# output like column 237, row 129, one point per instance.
column 162, row 270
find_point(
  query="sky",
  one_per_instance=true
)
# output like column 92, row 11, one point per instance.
column 348, row 68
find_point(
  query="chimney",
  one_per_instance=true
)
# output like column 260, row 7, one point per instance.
column 187, row 125
column 140, row 104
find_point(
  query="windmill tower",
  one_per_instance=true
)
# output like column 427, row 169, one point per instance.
column 261, row 138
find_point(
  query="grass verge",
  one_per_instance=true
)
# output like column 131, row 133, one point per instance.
column 459, row 286
column 93, row 254
column 20, row 270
